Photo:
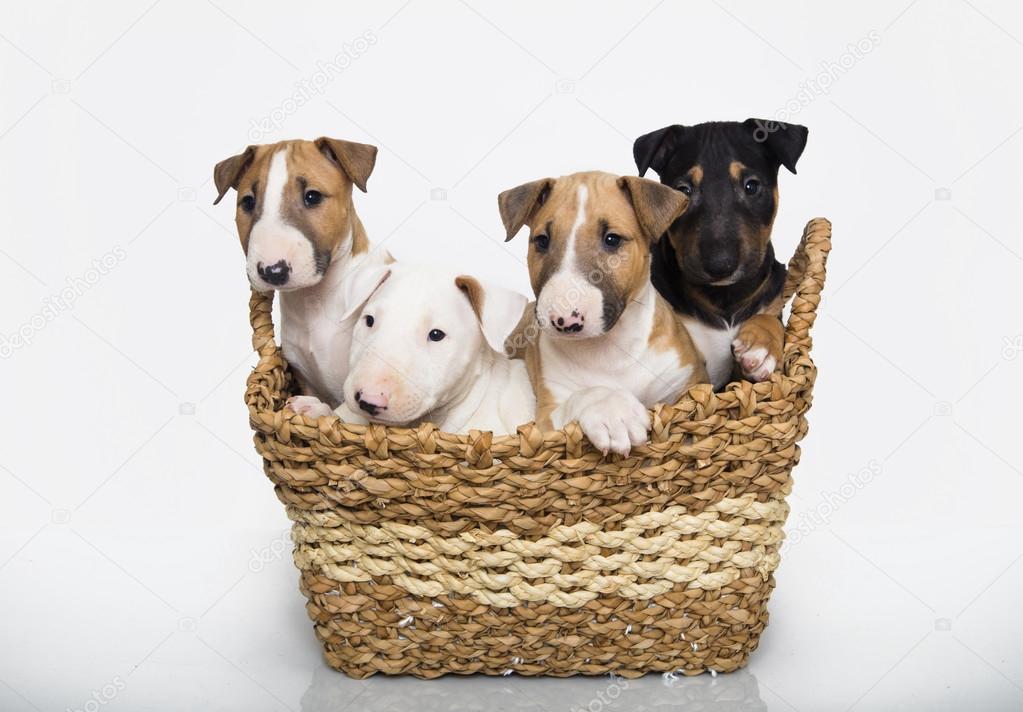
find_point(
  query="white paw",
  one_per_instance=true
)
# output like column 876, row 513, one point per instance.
column 309, row 406
column 613, row 420
column 756, row 363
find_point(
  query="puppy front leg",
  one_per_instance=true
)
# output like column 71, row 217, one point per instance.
column 310, row 406
column 614, row 420
column 758, row 346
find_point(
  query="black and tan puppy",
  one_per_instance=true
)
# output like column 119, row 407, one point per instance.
column 718, row 267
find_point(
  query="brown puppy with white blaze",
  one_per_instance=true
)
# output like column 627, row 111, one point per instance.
column 302, row 237
column 609, row 346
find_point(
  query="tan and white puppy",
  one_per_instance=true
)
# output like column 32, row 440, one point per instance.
column 609, row 346
column 301, row 236
column 429, row 348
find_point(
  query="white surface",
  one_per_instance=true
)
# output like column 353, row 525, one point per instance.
column 134, row 518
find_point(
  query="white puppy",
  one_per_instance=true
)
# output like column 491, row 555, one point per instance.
column 428, row 347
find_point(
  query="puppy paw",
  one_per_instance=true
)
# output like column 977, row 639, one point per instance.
column 309, row 406
column 755, row 362
column 613, row 420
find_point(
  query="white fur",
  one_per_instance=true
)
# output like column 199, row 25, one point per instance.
column 272, row 239
column 623, row 367
column 569, row 290
column 458, row 383
column 317, row 322
column 715, row 345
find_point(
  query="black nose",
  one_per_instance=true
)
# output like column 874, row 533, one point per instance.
column 363, row 405
column 276, row 274
column 720, row 264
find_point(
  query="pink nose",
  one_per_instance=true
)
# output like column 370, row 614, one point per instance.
column 568, row 324
column 372, row 403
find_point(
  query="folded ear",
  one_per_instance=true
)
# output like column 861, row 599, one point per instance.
column 228, row 171
column 518, row 205
column 652, row 150
column 497, row 309
column 657, row 206
column 785, row 141
column 355, row 159
column 360, row 286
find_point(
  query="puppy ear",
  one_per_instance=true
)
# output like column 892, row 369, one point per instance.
column 518, row 205
column 497, row 309
column 651, row 150
column 360, row 287
column 785, row 141
column 355, row 159
column 657, row 206
column 228, row 171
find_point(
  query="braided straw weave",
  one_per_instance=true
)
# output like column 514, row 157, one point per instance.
column 429, row 553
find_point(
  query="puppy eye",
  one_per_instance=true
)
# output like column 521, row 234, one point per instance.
column 312, row 197
column 248, row 203
column 752, row 186
column 542, row 242
column 436, row 335
column 684, row 188
column 612, row 241
column 369, row 320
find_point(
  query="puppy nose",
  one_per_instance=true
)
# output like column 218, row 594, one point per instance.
column 372, row 403
column 719, row 265
column 568, row 324
column 276, row 274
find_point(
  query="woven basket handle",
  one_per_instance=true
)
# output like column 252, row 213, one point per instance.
column 805, row 279
column 261, row 317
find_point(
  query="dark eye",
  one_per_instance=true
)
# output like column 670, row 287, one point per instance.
column 752, row 186
column 542, row 242
column 248, row 203
column 612, row 241
column 437, row 335
column 369, row 320
column 312, row 197
column 684, row 188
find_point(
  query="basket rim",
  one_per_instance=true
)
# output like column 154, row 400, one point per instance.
column 804, row 282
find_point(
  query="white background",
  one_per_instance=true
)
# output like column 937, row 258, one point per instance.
column 141, row 546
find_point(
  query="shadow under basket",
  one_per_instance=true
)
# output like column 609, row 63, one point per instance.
column 428, row 553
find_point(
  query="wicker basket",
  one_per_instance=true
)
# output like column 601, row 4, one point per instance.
column 429, row 553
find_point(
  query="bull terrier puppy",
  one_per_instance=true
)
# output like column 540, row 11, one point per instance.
column 608, row 345
column 301, row 236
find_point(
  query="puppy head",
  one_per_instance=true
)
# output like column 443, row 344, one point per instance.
column 294, row 211
column 729, row 170
column 419, row 341
column 589, row 244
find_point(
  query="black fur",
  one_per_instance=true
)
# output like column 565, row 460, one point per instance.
column 721, row 237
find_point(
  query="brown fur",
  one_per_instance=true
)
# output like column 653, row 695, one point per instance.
column 638, row 210
column 330, row 166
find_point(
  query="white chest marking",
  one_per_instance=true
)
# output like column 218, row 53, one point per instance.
column 715, row 345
